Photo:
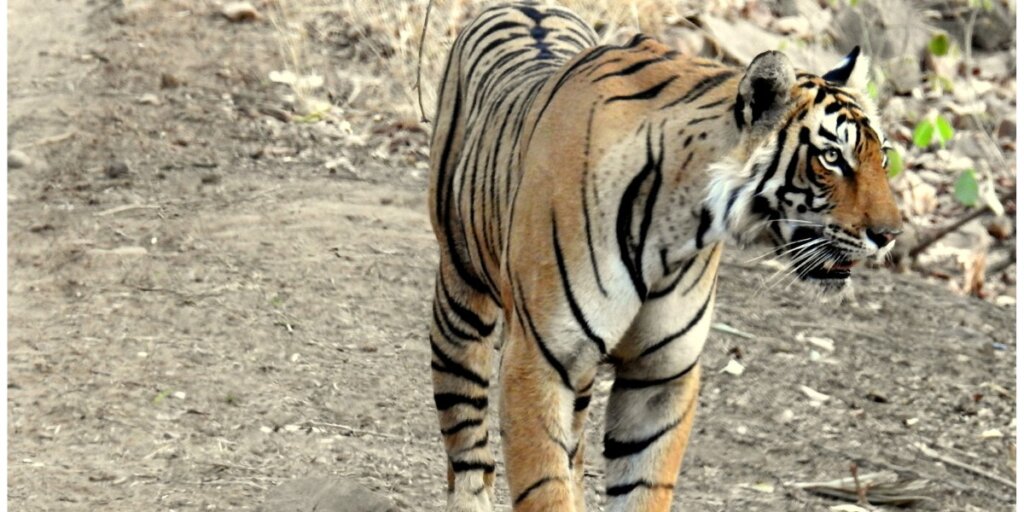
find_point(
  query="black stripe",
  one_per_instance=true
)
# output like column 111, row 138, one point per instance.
column 447, row 328
column 623, row 383
column 465, row 314
column 713, row 104
column 522, row 312
column 827, row 134
column 733, row 196
column 615, row 449
column 586, row 207
column 705, row 225
column 737, row 112
column 462, row 425
column 477, row 445
column 657, row 294
column 672, row 337
column 701, row 87
column 581, row 403
column 623, row 489
column 567, row 286
column 631, row 246
column 702, row 119
column 636, row 67
column 449, row 365
column 646, row 94
column 459, row 466
column 445, row 401
column 526, row 492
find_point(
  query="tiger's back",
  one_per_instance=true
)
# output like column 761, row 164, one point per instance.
column 495, row 70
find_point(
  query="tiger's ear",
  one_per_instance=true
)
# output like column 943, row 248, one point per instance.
column 851, row 72
column 764, row 91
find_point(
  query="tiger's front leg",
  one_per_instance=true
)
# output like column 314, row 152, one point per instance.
column 547, row 372
column 655, row 394
column 536, row 424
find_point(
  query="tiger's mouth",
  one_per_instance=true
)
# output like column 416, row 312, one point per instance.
column 816, row 259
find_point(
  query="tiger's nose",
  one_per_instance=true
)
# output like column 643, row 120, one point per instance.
column 882, row 237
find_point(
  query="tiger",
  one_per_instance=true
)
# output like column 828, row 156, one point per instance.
column 581, row 196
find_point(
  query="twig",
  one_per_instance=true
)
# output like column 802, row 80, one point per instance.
column 51, row 140
column 230, row 465
column 720, row 327
column 124, row 208
column 357, row 430
column 928, row 452
column 228, row 482
column 938, row 234
column 419, row 63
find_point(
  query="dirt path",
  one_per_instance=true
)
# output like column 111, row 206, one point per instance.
column 200, row 309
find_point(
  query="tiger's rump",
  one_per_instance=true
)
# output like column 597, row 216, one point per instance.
column 496, row 69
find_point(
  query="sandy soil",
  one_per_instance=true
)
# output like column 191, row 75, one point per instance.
column 201, row 309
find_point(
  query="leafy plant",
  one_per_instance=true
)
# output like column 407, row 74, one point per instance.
column 965, row 189
column 872, row 90
column 939, row 45
column 923, row 133
column 895, row 163
column 934, row 127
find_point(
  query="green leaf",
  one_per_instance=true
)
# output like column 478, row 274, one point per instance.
column 895, row 163
column 945, row 131
column 939, row 45
column 872, row 90
column 161, row 396
column 923, row 133
column 965, row 189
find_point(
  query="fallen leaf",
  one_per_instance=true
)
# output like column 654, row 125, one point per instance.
column 733, row 368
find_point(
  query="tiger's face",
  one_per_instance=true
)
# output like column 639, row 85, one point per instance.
column 822, row 191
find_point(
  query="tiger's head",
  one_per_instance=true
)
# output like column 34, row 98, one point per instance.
column 811, row 167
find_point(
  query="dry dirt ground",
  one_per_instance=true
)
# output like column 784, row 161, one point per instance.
column 200, row 310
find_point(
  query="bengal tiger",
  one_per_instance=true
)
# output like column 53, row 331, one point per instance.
column 581, row 196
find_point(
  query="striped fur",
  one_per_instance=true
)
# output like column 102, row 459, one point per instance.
column 581, row 196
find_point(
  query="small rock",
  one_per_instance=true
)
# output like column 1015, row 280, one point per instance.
column 116, row 170
column 877, row 397
column 169, row 81
column 325, row 495
column 794, row 25
column 991, row 434
column 1007, row 129
column 210, row 179
column 149, row 99
column 179, row 395
column 1001, row 228
column 240, row 11
column 785, row 417
column 17, row 159
column 967, row 406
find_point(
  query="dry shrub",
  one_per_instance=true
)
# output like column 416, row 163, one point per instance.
column 385, row 36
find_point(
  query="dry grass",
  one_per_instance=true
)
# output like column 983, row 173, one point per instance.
column 390, row 31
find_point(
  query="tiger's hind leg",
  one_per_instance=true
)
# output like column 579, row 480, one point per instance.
column 461, row 340
column 654, row 397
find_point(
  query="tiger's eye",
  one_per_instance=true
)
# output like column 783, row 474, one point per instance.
column 831, row 156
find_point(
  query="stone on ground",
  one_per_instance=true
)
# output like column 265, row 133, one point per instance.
column 325, row 495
